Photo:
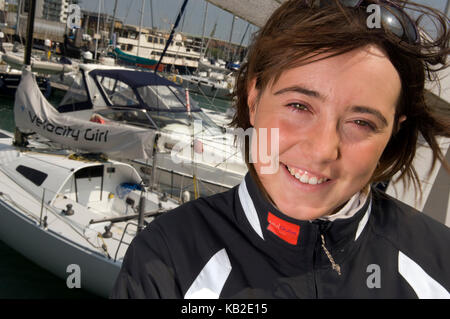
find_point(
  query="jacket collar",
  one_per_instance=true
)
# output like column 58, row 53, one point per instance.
column 272, row 225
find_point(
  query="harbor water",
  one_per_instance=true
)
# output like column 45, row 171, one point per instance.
column 19, row 277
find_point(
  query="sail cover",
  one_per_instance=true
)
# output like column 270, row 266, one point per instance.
column 33, row 113
column 254, row 11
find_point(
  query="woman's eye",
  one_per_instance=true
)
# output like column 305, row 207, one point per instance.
column 365, row 124
column 298, row 106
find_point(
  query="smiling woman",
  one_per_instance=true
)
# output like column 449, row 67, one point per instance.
column 332, row 133
column 346, row 105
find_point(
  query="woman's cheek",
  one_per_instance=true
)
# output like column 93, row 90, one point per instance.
column 361, row 160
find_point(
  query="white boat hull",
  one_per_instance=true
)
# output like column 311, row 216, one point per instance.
column 55, row 253
column 207, row 89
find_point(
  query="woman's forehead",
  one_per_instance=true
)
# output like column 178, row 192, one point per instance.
column 368, row 69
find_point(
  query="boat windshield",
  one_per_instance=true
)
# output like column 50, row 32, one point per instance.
column 162, row 120
column 137, row 117
column 152, row 105
column 76, row 97
column 163, row 97
column 118, row 92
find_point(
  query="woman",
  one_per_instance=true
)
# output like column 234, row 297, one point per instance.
column 340, row 104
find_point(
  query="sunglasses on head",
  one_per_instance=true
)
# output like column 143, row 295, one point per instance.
column 393, row 18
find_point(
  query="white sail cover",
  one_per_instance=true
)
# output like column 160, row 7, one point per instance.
column 33, row 113
column 254, row 11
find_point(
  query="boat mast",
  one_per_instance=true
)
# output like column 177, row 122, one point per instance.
column 211, row 35
column 140, row 27
column 203, row 31
column 19, row 138
column 19, row 8
column 151, row 14
column 113, row 20
column 447, row 8
column 242, row 41
column 228, row 56
column 30, row 28
column 183, row 7
column 98, row 30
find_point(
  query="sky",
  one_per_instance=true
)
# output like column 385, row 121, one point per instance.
column 166, row 11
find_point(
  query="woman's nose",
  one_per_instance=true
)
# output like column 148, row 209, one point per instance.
column 323, row 143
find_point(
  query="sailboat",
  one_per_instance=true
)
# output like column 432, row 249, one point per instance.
column 77, row 208
column 146, row 102
column 72, row 213
column 63, row 210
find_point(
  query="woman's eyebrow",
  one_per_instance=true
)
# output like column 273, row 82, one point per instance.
column 301, row 90
column 315, row 94
column 369, row 110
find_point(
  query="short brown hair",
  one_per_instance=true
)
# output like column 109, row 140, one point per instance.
column 298, row 28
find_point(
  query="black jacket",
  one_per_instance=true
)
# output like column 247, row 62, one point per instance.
column 237, row 245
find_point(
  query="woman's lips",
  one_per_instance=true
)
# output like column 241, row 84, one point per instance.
column 306, row 177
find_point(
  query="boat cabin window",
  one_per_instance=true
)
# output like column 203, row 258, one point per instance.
column 76, row 98
column 163, row 119
column 161, row 41
column 128, row 116
column 118, row 92
column 126, row 47
column 162, row 97
column 90, row 172
column 33, row 175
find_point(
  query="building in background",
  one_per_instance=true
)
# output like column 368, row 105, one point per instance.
column 50, row 19
column 56, row 10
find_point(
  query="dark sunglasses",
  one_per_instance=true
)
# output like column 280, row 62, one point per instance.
column 393, row 18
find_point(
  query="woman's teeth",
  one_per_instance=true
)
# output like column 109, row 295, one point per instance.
column 305, row 178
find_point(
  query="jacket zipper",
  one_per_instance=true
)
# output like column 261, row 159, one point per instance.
column 316, row 253
column 320, row 243
column 323, row 227
column 335, row 266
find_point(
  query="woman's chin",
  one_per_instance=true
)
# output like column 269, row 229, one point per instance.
column 301, row 212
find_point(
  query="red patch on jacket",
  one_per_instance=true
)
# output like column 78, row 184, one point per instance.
column 285, row 230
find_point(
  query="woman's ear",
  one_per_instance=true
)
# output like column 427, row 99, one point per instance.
column 252, row 100
column 401, row 119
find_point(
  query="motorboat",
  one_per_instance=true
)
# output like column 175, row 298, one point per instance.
column 10, row 72
column 10, row 79
column 209, row 86
column 212, row 79
column 193, row 153
column 68, row 212
column 183, row 53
